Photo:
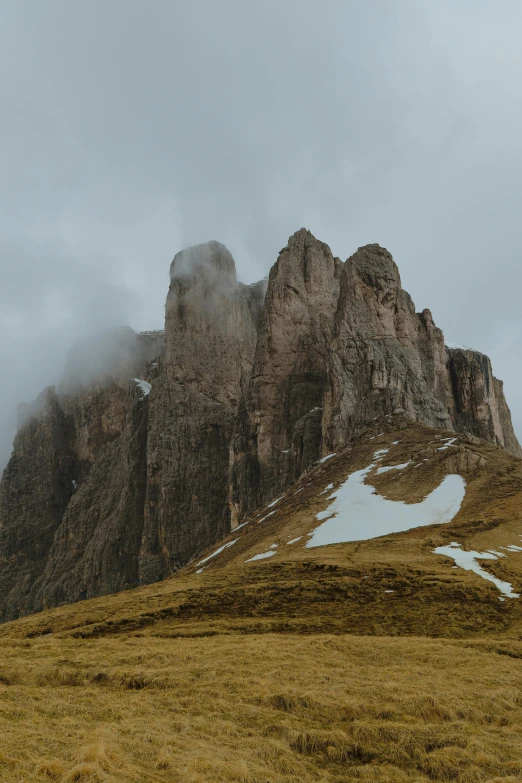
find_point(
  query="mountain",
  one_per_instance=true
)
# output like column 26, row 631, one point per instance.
column 409, row 530
column 155, row 446
column 338, row 634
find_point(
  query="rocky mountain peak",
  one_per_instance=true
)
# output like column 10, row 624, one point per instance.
column 210, row 335
column 373, row 266
column 301, row 239
column 372, row 302
column 156, row 445
column 306, row 261
column 210, row 260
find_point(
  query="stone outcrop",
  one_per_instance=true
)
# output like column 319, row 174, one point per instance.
column 209, row 350
column 340, row 346
column 64, row 493
column 96, row 546
column 279, row 429
column 210, row 336
column 477, row 404
column 35, row 491
column 154, row 446
column 384, row 356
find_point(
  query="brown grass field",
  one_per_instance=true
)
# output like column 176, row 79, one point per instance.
column 294, row 669
column 259, row 708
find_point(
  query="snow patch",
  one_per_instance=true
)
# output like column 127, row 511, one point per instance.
column 468, row 561
column 143, row 386
column 294, row 540
column 217, row 552
column 261, row 556
column 266, row 516
column 392, row 467
column 448, row 443
column 273, row 503
column 458, row 347
column 330, row 486
column 328, row 456
column 358, row 513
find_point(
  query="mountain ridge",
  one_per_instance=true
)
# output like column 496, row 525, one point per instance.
column 155, row 446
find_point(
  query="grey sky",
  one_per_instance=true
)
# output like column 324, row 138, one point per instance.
column 130, row 129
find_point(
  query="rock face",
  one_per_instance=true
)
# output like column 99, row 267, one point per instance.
column 209, row 350
column 73, row 469
column 35, row 491
column 477, row 404
column 210, row 335
column 155, row 445
column 279, row 429
column 342, row 345
column 384, row 357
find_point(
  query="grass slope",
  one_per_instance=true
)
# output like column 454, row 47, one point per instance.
column 301, row 667
column 260, row 708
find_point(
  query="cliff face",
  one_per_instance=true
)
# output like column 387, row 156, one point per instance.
column 64, row 496
column 477, row 404
column 384, row 357
column 155, row 445
column 209, row 350
column 342, row 345
column 279, row 426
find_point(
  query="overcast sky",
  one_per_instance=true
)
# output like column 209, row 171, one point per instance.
column 129, row 129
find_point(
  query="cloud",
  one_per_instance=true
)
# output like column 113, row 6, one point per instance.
column 129, row 130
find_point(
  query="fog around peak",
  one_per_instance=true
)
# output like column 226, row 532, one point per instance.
column 131, row 130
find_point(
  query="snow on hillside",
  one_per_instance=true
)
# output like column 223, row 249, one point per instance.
column 469, row 561
column 358, row 513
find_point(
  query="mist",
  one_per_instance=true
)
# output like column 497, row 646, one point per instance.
column 130, row 130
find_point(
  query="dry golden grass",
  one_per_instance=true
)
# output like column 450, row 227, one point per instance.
column 302, row 668
column 259, row 709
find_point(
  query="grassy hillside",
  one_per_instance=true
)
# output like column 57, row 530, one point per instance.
column 375, row 661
